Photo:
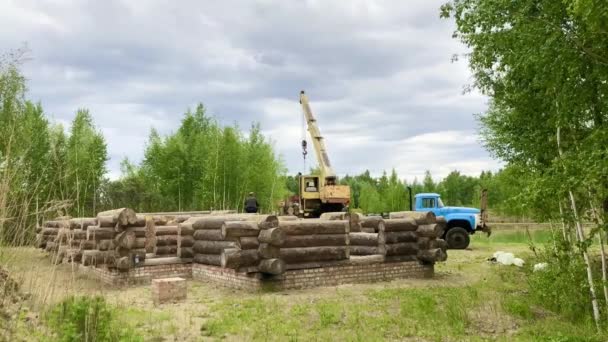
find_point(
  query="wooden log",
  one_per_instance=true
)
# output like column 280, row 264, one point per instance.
column 268, row 251
column 368, row 230
column 438, row 243
column 140, row 243
column 354, row 220
column 337, row 215
column 187, row 241
column 208, row 234
column 312, row 227
column 106, row 245
column 166, row 230
column 56, row 224
column 125, row 239
column 430, row 255
column 249, row 242
column 364, row 239
column 210, row 222
column 49, row 231
column 273, row 236
column 306, row 254
column 235, row 258
column 106, row 221
column 100, row 233
column 400, row 225
column 235, row 229
column 123, row 263
column 207, row 259
column 401, row 258
column 87, row 245
column 374, row 222
column 95, row 257
column 432, row 231
column 186, row 253
column 163, row 261
column 186, row 230
column 366, row 259
column 421, row 217
column 213, row 247
column 166, row 240
column 288, row 218
column 83, row 222
column 272, row 266
column 424, row 243
column 403, row 248
column 123, row 217
column 122, row 252
column 166, row 250
column 51, row 246
column 403, row 236
column 315, row 240
column 368, row 250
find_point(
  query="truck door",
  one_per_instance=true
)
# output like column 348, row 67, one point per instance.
column 430, row 204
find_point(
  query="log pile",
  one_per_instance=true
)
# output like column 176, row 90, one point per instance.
column 64, row 237
column 413, row 235
column 228, row 240
column 307, row 243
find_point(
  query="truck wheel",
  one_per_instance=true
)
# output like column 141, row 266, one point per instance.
column 457, row 238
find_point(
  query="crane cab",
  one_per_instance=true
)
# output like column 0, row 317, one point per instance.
column 317, row 197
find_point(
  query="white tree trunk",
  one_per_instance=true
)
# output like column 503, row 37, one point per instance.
column 581, row 238
column 600, row 236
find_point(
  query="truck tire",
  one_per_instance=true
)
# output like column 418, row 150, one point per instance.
column 457, row 238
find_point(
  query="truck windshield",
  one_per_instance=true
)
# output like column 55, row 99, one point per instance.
column 440, row 203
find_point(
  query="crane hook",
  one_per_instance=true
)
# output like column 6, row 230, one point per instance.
column 304, row 152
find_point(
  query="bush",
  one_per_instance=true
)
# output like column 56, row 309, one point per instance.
column 562, row 286
column 87, row 319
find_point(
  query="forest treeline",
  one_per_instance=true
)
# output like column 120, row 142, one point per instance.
column 47, row 170
column 390, row 193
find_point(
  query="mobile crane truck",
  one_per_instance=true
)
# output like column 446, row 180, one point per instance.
column 318, row 193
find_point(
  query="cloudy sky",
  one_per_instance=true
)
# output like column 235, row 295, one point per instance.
column 378, row 73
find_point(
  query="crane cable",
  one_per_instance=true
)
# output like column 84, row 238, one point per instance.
column 304, row 143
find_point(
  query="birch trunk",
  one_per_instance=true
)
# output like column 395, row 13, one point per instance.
column 581, row 238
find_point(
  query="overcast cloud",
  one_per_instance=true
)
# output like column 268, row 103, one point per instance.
column 378, row 73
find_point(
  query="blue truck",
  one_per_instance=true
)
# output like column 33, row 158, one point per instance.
column 461, row 221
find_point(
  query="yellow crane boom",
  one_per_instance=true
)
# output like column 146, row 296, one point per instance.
column 327, row 172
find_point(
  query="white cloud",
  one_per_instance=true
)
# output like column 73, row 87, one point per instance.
column 378, row 74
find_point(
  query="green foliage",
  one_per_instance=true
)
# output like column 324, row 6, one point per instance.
column 562, row 286
column 202, row 166
column 544, row 65
column 39, row 164
column 87, row 319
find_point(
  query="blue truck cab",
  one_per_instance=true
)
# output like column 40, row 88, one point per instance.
column 461, row 221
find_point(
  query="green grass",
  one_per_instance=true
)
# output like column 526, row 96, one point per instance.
column 432, row 313
column 512, row 236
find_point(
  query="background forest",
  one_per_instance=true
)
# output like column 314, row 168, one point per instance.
column 48, row 170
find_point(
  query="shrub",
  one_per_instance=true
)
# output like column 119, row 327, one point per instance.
column 562, row 286
column 87, row 319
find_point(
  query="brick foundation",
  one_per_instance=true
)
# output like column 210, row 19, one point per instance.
column 137, row 275
column 293, row 279
column 306, row 278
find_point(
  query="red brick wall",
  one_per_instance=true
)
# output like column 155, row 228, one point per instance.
column 138, row 275
column 306, row 278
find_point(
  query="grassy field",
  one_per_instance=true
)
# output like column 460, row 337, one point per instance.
column 470, row 299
